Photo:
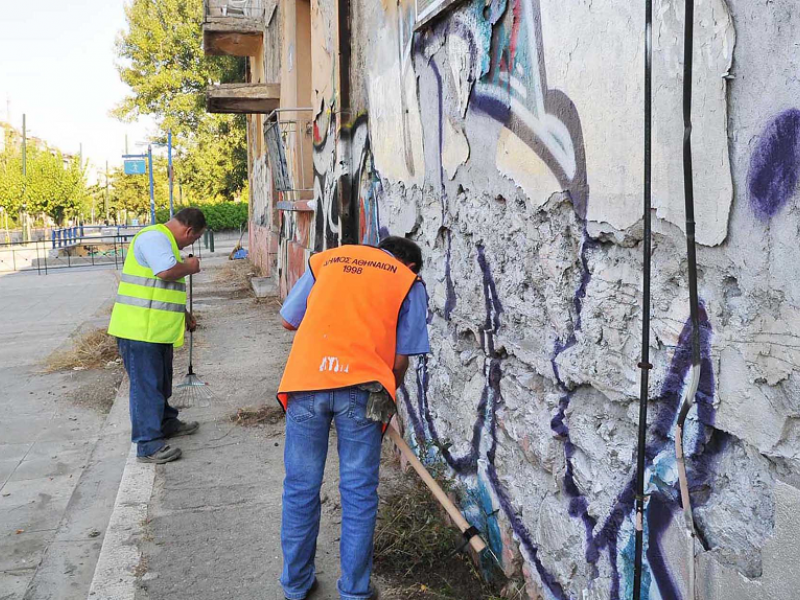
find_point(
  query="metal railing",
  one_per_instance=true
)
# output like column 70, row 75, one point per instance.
column 290, row 141
column 68, row 236
column 41, row 257
column 245, row 9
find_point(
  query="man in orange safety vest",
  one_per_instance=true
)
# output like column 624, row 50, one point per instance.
column 359, row 312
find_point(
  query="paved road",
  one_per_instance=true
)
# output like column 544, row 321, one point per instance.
column 46, row 439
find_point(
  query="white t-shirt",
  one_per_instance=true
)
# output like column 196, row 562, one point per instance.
column 154, row 250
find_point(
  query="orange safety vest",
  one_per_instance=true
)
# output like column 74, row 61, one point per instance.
column 348, row 335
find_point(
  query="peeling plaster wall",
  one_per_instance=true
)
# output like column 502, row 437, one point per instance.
column 506, row 139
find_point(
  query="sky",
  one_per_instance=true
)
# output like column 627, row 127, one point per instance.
column 57, row 65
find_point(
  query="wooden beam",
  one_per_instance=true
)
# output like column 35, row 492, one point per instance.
column 233, row 36
column 243, row 98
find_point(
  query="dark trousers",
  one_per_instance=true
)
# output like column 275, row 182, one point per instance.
column 149, row 368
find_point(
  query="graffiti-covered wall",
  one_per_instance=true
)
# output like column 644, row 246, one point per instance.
column 506, row 138
column 263, row 225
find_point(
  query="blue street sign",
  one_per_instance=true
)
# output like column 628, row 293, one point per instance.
column 135, row 167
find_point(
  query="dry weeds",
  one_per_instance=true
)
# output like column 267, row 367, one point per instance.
column 416, row 547
column 266, row 415
column 237, row 273
column 92, row 350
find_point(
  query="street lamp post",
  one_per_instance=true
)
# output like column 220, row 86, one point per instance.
column 152, row 194
column 169, row 168
column 149, row 157
column 24, row 224
column 106, row 198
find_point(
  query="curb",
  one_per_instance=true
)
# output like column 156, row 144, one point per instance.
column 115, row 573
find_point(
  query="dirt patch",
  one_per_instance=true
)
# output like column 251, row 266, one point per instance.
column 96, row 389
column 416, row 547
column 94, row 349
column 235, row 273
column 258, row 417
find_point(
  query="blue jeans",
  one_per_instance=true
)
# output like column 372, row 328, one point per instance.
column 308, row 422
column 149, row 368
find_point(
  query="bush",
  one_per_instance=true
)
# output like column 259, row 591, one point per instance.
column 220, row 216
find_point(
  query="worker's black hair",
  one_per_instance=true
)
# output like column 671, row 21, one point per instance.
column 191, row 217
column 403, row 250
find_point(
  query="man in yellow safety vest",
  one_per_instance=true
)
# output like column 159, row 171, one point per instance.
column 149, row 320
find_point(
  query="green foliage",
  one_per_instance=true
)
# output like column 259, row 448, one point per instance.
column 162, row 60
column 51, row 185
column 132, row 192
column 217, row 165
column 219, row 216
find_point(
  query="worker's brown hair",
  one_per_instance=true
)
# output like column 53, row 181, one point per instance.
column 191, row 217
column 403, row 250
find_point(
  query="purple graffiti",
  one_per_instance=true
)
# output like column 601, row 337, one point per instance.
column 491, row 399
column 667, row 405
column 518, row 38
column 450, row 300
column 493, row 97
column 775, row 165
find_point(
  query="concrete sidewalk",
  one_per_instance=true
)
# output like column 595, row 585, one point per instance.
column 207, row 526
column 51, row 516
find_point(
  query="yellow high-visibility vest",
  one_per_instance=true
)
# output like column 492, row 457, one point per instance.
column 149, row 309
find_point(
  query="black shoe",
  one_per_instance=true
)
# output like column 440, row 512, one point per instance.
column 165, row 455
column 182, row 428
column 310, row 590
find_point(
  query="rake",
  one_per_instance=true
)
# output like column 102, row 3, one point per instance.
column 192, row 391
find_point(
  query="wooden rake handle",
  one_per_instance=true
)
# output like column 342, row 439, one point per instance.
column 474, row 540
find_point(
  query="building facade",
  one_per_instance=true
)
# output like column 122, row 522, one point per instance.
column 506, row 138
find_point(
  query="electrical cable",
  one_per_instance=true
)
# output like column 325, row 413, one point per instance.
column 693, row 379
column 644, row 365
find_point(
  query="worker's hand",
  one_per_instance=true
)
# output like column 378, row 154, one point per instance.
column 192, row 264
column 191, row 322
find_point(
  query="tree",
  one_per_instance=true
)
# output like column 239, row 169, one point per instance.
column 162, row 60
column 54, row 188
column 51, row 185
column 217, row 168
column 11, row 182
column 131, row 193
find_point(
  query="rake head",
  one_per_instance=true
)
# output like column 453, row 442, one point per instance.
column 191, row 392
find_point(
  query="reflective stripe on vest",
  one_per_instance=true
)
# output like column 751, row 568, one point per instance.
column 154, row 304
column 348, row 335
column 149, row 309
column 159, row 283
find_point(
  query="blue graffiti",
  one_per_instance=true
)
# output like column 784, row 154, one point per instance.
column 494, row 96
column 775, row 165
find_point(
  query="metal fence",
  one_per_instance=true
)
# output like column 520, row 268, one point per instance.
column 68, row 249
column 40, row 256
column 247, row 9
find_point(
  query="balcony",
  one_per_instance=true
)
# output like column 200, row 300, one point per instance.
column 234, row 27
column 289, row 146
column 243, row 98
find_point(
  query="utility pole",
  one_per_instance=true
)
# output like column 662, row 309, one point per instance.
column 106, row 193
column 24, row 147
column 152, row 195
column 26, row 234
column 169, row 168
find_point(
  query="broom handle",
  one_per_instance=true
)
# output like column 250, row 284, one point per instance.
column 475, row 541
column 191, row 333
